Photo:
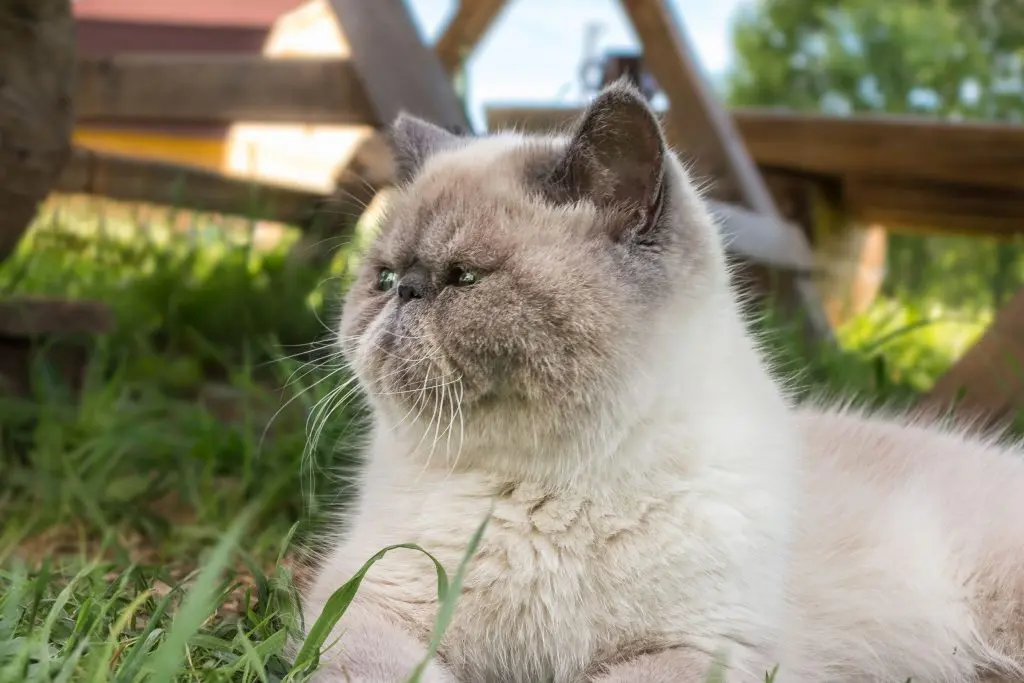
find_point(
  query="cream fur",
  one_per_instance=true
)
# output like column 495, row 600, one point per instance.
column 697, row 513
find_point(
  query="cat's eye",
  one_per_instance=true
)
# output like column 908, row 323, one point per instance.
column 461, row 277
column 386, row 279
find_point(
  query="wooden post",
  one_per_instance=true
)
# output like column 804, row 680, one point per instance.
column 470, row 24
column 987, row 383
column 699, row 124
column 848, row 256
column 398, row 72
column 37, row 71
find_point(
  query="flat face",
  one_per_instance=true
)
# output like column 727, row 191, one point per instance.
column 487, row 279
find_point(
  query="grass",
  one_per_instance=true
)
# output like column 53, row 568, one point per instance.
column 124, row 509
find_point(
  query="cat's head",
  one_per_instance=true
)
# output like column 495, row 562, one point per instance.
column 523, row 279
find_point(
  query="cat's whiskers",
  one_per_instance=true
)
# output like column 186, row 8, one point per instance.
column 462, row 427
column 335, row 399
column 435, row 423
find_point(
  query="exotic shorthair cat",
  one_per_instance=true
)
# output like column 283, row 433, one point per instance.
column 546, row 324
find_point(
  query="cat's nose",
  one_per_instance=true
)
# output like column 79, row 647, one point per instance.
column 411, row 287
column 408, row 291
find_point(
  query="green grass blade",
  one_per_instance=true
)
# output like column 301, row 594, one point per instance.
column 446, row 610
column 197, row 606
column 340, row 600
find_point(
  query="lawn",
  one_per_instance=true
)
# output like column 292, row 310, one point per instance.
column 159, row 525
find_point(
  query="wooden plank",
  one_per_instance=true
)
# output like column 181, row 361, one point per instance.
column 467, row 27
column 371, row 170
column 35, row 316
column 398, row 72
column 143, row 180
column 221, row 88
column 935, row 207
column 987, row 383
column 970, row 153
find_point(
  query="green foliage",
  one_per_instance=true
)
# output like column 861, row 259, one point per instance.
column 958, row 59
column 952, row 58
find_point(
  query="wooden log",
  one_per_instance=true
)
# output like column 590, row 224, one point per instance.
column 465, row 29
column 986, row 384
column 142, row 180
column 220, row 88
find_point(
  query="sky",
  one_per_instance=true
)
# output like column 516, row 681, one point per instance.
column 533, row 53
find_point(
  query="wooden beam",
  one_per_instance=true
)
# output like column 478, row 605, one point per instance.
column 987, row 383
column 398, row 72
column 34, row 316
column 935, row 207
column 143, row 180
column 759, row 238
column 221, row 88
column 971, row 153
column 464, row 31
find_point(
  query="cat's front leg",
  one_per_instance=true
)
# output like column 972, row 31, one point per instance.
column 369, row 646
column 675, row 665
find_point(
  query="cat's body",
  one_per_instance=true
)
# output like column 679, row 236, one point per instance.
column 656, row 500
column 910, row 555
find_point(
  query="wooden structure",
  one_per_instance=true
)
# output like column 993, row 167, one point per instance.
column 223, row 28
column 781, row 182
column 359, row 83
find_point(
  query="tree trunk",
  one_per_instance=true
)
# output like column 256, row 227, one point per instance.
column 37, row 68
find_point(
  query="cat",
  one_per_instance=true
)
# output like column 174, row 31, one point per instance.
column 547, row 332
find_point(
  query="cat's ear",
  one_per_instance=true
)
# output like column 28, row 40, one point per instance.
column 413, row 141
column 616, row 158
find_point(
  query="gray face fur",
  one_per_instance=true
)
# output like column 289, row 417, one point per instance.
column 526, row 270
